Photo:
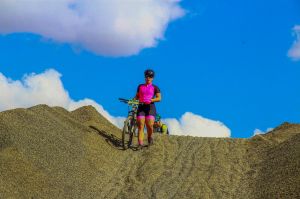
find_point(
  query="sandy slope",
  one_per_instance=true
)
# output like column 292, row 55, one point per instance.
column 52, row 153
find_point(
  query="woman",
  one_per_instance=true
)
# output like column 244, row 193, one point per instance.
column 147, row 94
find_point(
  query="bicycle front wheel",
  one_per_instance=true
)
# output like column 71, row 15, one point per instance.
column 128, row 131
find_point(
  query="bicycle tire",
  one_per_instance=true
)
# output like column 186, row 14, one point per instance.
column 128, row 131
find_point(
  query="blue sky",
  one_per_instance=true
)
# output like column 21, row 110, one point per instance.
column 223, row 60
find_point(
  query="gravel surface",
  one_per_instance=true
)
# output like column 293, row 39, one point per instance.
column 48, row 152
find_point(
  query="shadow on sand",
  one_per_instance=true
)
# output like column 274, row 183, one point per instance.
column 112, row 139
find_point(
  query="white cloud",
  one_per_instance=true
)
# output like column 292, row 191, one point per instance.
column 47, row 88
column 106, row 27
column 196, row 125
column 44, row 88
column 258, row 131
column 294, row 52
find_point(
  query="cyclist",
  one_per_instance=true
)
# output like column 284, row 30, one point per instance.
column 160, row 126
column 147, row 94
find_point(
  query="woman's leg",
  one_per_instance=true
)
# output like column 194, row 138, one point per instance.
column 149, row 124
column 141, row 126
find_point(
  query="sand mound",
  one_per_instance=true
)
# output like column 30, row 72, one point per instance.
column 52, row 153
column 277, row 164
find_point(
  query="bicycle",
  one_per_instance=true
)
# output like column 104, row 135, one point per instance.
column 130, row 124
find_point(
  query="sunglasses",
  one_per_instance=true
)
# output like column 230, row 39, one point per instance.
column 150, row 76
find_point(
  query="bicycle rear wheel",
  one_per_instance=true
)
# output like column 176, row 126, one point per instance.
column 128, row 131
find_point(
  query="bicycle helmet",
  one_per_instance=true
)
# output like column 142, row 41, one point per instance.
column 149, row 73
column 157, row 117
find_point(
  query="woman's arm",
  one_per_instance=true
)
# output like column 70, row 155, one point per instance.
column 157, row 98
column 136, row 97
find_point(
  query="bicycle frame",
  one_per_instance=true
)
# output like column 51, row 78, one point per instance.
column 133, row 111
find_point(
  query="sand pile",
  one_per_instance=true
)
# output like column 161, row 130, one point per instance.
column 52, row 153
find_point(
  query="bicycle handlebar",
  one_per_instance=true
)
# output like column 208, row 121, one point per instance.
column 122, row 99
column 130, row 102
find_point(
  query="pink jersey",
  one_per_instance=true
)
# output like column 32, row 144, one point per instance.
column 146, row 92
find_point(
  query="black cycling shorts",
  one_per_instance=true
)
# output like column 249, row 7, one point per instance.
column 146, row 110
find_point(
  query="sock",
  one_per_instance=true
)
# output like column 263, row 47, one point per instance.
column 140, row 142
